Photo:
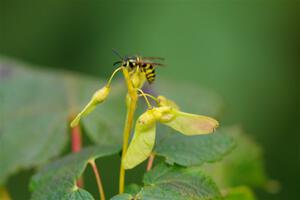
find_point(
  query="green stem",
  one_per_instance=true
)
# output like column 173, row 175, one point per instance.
column 131, row 107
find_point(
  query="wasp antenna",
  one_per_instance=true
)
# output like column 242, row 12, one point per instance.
column 117, row 53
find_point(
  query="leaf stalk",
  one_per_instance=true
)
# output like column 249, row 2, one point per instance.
column 98, row 179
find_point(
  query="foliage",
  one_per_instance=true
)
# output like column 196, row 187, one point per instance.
column 58, row 180
column 43, row 102
column 175, row 183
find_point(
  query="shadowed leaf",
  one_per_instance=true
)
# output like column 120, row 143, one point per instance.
column 58, row 179
column 195, row 150
column 175, row 183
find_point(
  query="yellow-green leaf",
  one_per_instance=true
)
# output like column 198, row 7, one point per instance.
column 191, row 124
column 143, row 141
column 98, row 97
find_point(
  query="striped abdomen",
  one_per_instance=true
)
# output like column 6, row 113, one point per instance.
column 149, row 71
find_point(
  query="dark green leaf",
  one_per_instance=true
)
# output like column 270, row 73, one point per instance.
column 195, row 150
column 176, row 183
column 132, row 189
column 57, row 180
column 123, row 197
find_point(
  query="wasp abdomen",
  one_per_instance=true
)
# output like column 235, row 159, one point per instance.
column 149, row 72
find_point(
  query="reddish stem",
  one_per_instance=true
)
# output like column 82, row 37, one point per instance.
column 98, row 179
column 76, row 143
column 150, row 162
column 76, row 139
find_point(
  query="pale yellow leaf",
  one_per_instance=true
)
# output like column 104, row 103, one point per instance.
column 191, row 124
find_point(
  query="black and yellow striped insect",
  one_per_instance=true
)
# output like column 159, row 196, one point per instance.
column 144, row 64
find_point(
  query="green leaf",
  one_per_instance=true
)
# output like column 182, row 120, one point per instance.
column 194, row 150
column 244, row 166
column 57, row 180
column 35, row 108
column 176, row 183
column 239, row 193
column 123, row 197
column 132, row 189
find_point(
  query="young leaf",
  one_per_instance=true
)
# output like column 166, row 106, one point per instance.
column 58, row 179
column 194, row 150
column 108, row 119
column 98, row 97
column 142, row 142
column 175, row 183
column 191, row 124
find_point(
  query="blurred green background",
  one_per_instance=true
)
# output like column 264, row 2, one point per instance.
column 247, row 51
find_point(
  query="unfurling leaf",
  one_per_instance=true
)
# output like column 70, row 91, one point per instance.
column 143, row 141
column 190, row 124
column 98, row 97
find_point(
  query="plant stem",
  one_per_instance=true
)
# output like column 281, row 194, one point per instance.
column 98, row 179
column 76, row 142
column 128, row 125
column 76, row 139
column 150, row 162
column 131, row 107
